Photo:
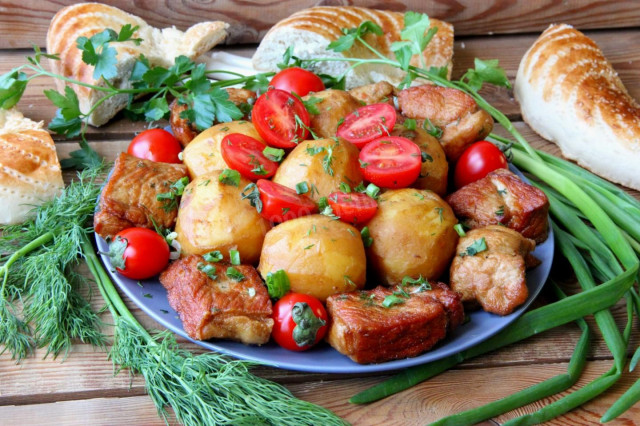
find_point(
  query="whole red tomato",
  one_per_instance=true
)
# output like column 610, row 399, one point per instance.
column 477, row 161
column 139, row 253
column 297, row 80
column 156, row 145
column 300, row 321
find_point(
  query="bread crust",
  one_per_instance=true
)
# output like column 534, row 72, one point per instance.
column 571, row 95
column 161, row 47
column 325, row 23
column 29, row 168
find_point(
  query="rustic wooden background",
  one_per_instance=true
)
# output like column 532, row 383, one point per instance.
column 82, row 389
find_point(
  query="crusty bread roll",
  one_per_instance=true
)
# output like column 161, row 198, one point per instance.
column 29, row 169
column 309, row 32
column 570, row 94
column 160, row 47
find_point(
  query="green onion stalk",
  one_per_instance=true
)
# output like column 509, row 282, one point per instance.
column 600, row 236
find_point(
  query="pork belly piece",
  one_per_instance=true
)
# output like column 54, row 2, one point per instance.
column 494, row 277
column 212, row 304
column 334, row 106
column 375, row 93
column 502, row 197
column 185, row 131
column 129, row 197
column 368, row 332
column 458, row 116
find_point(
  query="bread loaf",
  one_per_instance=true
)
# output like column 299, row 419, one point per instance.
column 29, row 168
column 160, row 47
column 310, row 31
column 571, row 95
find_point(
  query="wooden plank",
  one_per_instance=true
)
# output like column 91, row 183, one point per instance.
column 26, row 22
column 428, row 401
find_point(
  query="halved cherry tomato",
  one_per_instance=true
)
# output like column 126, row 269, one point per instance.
column 274, row 115
column 477, row 161
column 297, row 80
column 367, row 123
column 299, row 321
column 139, row 253
column 353, row 207
column 156, row 145
column 280, row 203
column 391, row 162
column 244, row 154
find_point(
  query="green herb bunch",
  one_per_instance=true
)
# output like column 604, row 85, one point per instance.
column 596, row 229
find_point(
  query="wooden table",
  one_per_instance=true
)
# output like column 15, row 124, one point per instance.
column 82, row 389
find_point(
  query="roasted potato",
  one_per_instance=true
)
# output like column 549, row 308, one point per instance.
column 323, row 164
column 333, row 107
column 203, row 155
column 213, row 216
column 412, row 235
column 434, row 171
column 321, row 256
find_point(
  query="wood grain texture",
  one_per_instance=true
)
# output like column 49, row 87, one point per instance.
column 29, row 19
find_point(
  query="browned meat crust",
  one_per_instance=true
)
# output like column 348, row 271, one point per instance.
column 219, row 308
column 375, row 93
column 494, row 278
column 367, row 332
column 334, row 106
column 129, row 197
column 503, row 198
column 185, row 131
column 451, row 110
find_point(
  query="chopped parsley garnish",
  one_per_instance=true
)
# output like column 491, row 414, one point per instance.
column 213, row 256
column 170, row 198
column 422, row 282
column 459, row 228
column 277, row 284
column 229, row 177
column 392, row 300
column 409, row 124
column 273, row 154
column 366, row 237
column 426, row 157
column 234, row 274
column 500, row 211
column 431, row 128
column 439, row 210
column 251, row 193
column 310, row 104
column 372, row 191
column 309, row 246
column 344, row 187
column 234, row 257
column 302, row 187
column 208, row 269
column 476, row 247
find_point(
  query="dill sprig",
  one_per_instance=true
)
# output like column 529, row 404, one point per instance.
column 38, row 285
column 205, row 389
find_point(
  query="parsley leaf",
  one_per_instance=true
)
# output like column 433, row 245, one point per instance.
column 229, row 177
column 476, row 247
column 310, row 104
column 278, row 284
column 252, row 193
column 12, row 86
column 392, row 300
column 486, row 72
column 273, row 154
column 351, row 35
column 83, row 158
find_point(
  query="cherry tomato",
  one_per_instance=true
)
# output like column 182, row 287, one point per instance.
column 353, row 207
column 477, row 161
column 156, row 145
column 280, row 203
column 297, row 80
column 391, row 162
column 367, row 123
column 300, row 321
column 139, row 253
column 244, row 154
column 274, row 115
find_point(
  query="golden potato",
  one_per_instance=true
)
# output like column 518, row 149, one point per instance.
column 323, row 164
column 412, row 235
column 203, row 155
column 435, row 170
column 321, row 256
column 334, row 106
column 213, row 216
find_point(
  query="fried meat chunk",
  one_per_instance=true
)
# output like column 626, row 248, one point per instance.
column 213, row 304
column 185, row 131
column 375, row 93
column 366, row 331
column 129, row 197
column 333, row 106
column 458, row 116
column 494, row 278
column 502, row 197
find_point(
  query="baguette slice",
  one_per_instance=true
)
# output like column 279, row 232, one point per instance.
column 571, row 95
column 29, row 169
column 310, row 31
column 160, row 47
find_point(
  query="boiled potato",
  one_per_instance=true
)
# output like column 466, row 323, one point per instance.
column 334, row 106
column 435, row 170
column 321, row 256
column 213, row 216
column 412, row 235
column 203, row 155
column 323, row 164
